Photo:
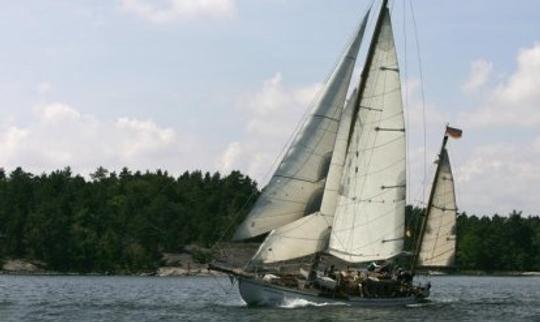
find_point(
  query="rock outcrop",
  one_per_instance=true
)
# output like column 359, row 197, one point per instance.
column 23, row 266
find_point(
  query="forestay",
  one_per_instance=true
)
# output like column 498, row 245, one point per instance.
column 296, row 187
column 439, row 242
column 369, row 218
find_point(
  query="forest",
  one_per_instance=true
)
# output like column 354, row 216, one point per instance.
column 122, row 222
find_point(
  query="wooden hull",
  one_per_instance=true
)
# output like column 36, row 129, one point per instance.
column 259, row 293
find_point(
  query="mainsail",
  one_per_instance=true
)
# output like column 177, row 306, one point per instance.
column 438, row 241
column 369, row 218
column 309, row 234
column 297, row 185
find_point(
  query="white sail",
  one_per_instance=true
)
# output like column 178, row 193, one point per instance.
column 331, row 188
column 309, row 234
column 369, row 219
column 302, row 237
column 438, row 246
column 296, row 187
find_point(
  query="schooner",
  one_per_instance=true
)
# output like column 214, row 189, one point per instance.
column 340, row 190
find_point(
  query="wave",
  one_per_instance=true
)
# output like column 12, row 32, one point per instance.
column 300, row 303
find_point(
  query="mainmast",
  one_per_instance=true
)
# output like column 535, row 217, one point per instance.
column 367, row 64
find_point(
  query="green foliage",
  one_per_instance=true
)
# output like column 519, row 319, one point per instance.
column 123, row 222
column 202, row 256
column 499, row 243
column 116, row 222
column 491, row 243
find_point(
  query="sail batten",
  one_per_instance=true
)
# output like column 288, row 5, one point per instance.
column 297, row 185
column 369, row 218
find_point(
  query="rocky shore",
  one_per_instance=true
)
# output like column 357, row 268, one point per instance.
column 191, row 262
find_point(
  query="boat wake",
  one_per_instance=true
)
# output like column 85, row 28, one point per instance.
column 416, row 305
column 300, row 303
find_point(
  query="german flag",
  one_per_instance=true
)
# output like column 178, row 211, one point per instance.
column 454, row 132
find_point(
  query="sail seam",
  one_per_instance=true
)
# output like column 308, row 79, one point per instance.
column 325, row 117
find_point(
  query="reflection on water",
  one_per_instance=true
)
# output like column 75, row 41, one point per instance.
column 71, row 298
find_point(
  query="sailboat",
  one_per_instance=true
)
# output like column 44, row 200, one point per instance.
column 339, row 192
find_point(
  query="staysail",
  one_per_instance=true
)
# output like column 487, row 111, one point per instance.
column 297, row 185
column 438, row 242
column 331, row 188
column 309, row 234
column 369, row 218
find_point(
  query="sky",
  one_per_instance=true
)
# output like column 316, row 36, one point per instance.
column 220, row 85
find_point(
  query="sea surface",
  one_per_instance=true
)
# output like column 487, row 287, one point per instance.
column 94, row 298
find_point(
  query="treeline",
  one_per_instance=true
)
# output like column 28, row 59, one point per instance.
column 116, row 222
column 123, row 222
column 496, row 243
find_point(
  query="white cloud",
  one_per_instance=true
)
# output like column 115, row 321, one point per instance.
column 59, row 136
column 500, row 177
column 273, row 112
column 172, row 10
column 479, row 75
column 56, row 112
column 496, row 172
column 230, row 156
column 515, row 101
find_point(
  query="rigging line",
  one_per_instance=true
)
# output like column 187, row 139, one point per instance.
column 421, row 74
column 406, row 97
column 295, row 179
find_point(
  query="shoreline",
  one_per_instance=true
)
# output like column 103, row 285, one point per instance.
column 48, row 273
column 208, row 273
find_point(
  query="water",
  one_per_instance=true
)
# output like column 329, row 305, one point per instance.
column 92, row 298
